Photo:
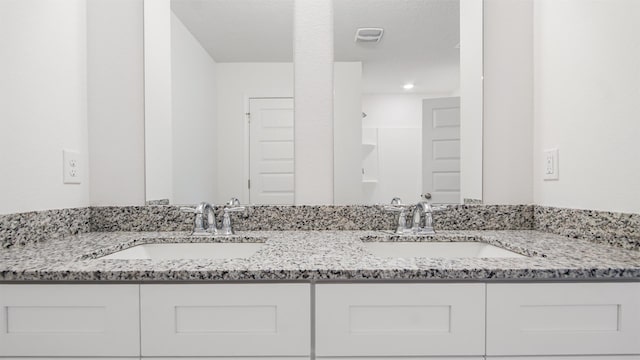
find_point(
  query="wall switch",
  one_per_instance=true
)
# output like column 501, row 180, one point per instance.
column 550, row 166
column 71, row 167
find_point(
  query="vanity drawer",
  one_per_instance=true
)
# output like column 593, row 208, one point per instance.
column 225, row 320
column 400, row 319
column 69, row 320
column 563, row 319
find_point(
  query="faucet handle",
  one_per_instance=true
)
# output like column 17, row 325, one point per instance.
column 233, row 202
column 395, row 208
column 227, row 227
column 396, row 205
column 188, row 209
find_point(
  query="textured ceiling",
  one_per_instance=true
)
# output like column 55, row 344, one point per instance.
column 419, row 43
column 418, row 46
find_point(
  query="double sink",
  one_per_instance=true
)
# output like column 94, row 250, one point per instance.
column 381, row 246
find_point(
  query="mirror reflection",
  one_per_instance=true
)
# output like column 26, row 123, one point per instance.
column 226, row 104
column 219, row 101
column 398, row 99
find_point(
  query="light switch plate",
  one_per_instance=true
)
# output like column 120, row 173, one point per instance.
column 71, row 167
column 550, row 165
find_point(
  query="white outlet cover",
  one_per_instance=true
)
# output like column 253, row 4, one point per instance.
column 71, row 167
column 550, row 165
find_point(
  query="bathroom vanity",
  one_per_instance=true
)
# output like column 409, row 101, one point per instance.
column 314, row 294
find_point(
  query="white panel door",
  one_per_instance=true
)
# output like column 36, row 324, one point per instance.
column 225, row 320
column 400, row 319
column 69, row 320
column 563, row 319
column 441, row 149
column 271, row 151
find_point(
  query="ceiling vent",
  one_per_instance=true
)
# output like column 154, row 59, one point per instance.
column 369, row 35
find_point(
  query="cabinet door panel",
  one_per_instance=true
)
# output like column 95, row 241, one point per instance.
column 563, row 319
column 226, row 320
column 69, row 320
column 399, row 319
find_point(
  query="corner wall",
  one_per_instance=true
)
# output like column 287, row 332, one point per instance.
column 193, row 119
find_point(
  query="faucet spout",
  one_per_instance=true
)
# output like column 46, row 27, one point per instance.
column 205, row 219
column 423, row 217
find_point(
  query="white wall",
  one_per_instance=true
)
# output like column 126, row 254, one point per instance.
column 587, row 103
column 347, row 135
column 394, row 110
column 398, row 120
column 313, row 59
column 470, row 99
column 115, row 102
column 157, row 74
column 508, row 102
column 236, row 83
column 43, row 105
column 194, row 114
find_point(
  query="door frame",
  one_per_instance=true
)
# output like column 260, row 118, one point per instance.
column 246, row 157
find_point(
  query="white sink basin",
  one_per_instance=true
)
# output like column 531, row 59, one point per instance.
column 171, row 251
column 450, row 250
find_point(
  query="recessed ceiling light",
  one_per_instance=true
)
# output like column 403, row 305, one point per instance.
column 408, row 86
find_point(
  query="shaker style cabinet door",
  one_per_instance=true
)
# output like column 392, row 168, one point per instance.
column 400, row 320
column 563, row 319
column 226, row 320
column 69, row 320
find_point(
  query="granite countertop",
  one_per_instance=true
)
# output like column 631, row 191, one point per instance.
column 318, row 255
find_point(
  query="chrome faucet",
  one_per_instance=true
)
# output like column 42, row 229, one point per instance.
column 205, row 220
column 401, row 209
column 232, row 205
column 423, row 216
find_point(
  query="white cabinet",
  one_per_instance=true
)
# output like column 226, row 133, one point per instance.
column 400, row 319
column 69, row 320
column 367, row 321
column 563, row 319
column 226, row 320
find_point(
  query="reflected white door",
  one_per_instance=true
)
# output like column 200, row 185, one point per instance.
column 271, row 151
column 441, row 149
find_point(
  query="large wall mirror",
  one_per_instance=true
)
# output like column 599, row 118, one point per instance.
column 399, row 91
column 219, row 100
column 219, row 92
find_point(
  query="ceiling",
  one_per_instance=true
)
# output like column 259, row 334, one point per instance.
column 418, row 46
column 240, row 30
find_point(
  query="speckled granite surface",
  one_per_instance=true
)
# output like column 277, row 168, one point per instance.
column 35, row 226
column 284, row 218
column 618, row 229
column 319, row 255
